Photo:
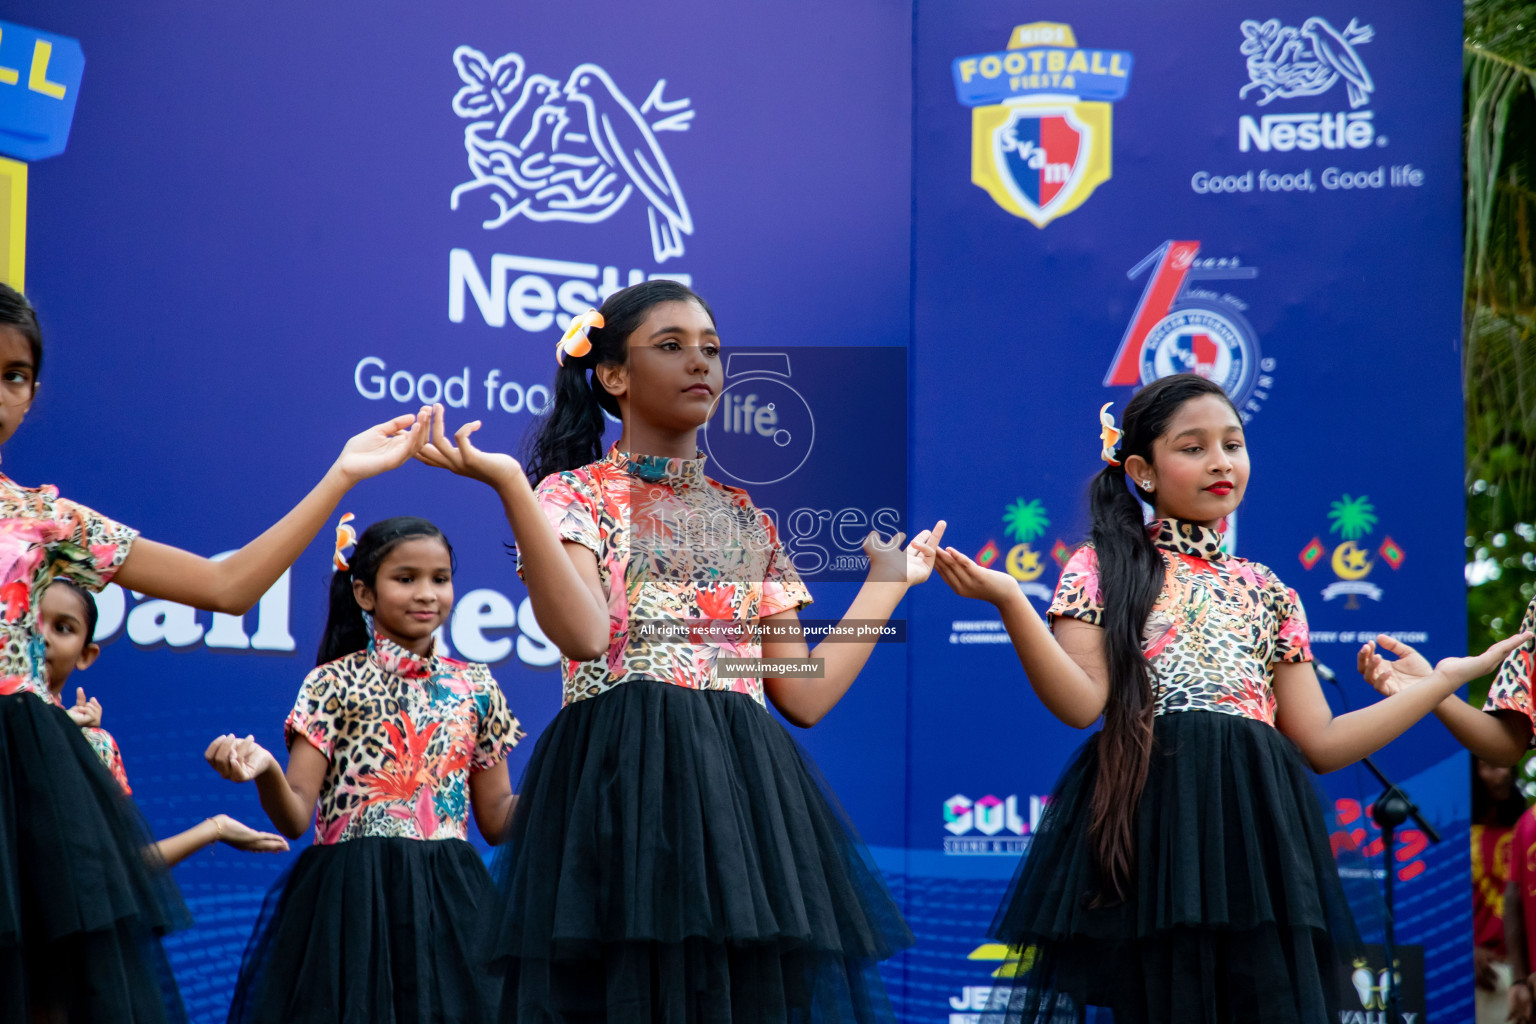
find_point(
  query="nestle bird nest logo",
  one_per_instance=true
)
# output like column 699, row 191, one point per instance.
column 1290, row 62
column 575, row 151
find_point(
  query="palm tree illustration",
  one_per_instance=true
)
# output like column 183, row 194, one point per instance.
column 1025, row 520
column 1351, row 518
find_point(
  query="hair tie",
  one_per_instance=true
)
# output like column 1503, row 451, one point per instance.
column 345, row 538
column 1110, row 435
column 575, row 342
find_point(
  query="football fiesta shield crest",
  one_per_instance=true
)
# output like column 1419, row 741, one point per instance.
column 1040, row 119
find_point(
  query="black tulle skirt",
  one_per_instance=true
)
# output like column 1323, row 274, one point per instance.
column 675, row 858
column 371, row 931
column 84, row 898
column 1236, row 914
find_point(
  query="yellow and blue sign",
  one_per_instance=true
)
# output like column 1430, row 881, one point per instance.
column 1040, row 119
column 39, row 82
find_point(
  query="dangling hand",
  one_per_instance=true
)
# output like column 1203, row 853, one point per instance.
column 237, row 759
column 462, row 457
column 1409, row 666
column 386, row 446
column 243, row 837
column 968, row 579
column 86, row 713
column 889, row 562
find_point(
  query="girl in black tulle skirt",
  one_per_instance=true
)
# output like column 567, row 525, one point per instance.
column 1182, row 871
column 674, row 856
column 84, row 898
column 389, row 746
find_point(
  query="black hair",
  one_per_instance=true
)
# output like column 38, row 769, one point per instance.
column 1486, row 810
column 571, row 434
column 345, row 630
column 92, row 613
column 17, row 313
column 1130, row 578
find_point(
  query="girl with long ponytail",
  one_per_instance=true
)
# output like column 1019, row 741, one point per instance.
column 390, row 745
column 1182, row 871
column 673, row 855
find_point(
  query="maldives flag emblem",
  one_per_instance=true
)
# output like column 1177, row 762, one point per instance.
column 1312, row 553
column 1391, row 553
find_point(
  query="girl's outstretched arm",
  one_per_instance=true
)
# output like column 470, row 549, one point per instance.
column 805, row 700
column 1067, row 670
column 491, row 797
column 235, row 584
column 562, row 578
column 288, row 798
column 220, row 828
column 1498, row 737
column 1332, row 743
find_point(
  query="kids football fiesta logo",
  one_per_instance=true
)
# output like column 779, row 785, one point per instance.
column 1040, row 119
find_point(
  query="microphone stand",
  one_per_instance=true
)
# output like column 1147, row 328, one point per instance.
column 1391, row 809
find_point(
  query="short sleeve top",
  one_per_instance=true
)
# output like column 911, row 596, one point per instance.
column 1511, row 688
column 105, row 746
column 402, row 732
column 1217, row 629
column 43, row 536
column 688, row 566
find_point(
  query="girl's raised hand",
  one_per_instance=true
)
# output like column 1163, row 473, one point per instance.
column 86, row 713
column 888, row 561
column 462, row 457
column 238, row 759
column 1409, row 666
column 243, row 837
column 968, row 579
column 386, row 446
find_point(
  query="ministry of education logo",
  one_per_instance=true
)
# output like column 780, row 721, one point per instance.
column 1040, row 119
column 574, row 151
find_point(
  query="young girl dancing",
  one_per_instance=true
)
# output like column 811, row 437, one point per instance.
column 389, row 745
column 67, row 618
column 674, row 856
column 78, row 898
column 1182, row 872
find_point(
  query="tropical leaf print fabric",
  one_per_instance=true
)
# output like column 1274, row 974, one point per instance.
column 687, row 564
column 43, row 536
column 105, row 746
column 402, row 733
column 1218, row 626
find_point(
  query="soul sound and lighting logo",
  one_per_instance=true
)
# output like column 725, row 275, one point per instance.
column 1040, row 119
column 991, row 825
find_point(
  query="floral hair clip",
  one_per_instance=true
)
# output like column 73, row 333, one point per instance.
column 346, row 537
column 1110, row 435
column 575, row 342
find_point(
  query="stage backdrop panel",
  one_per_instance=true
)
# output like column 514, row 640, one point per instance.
column 1105, row 193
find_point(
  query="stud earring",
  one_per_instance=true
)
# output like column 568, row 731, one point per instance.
column 1146, row 485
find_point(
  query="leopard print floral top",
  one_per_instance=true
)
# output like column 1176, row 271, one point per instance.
column 1511, row 688
column 688, row 565
column 1216, row 630
column 106, row 749
column 402, row 733
column 43, row 536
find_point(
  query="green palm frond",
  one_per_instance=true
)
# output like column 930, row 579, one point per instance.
column 1025, row 520
column 1351, row 518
